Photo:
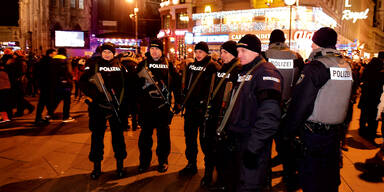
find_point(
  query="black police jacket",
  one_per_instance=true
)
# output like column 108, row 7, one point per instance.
column 256, row 112
column 165, row 75
column 114, row 76
column 217, row 105
column 199, row 94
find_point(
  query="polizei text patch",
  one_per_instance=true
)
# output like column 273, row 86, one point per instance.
column 340, row 73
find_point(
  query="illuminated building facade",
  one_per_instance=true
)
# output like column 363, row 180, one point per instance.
column 218, row 21
column 40, row 18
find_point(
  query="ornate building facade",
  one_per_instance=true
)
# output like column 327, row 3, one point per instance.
column 40, row 18
column 358, row 22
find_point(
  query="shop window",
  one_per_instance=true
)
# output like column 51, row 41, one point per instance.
column 182, row 20
column 81, row 4
column 73, row 3
column 166, row 21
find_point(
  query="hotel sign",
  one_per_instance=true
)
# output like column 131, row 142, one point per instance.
column 354, row 16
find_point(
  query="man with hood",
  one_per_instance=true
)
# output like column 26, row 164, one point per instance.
column 197, row 87
column 157, row 82
column 62, row 82
column 317, row 112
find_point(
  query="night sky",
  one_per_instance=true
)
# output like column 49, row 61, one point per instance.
column 9, row 14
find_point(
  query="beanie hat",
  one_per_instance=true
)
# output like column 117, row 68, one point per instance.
column 250, row 42
column 230, row 47
column 381, row 55
column 156, row 43
column 109, row 46
column 202, row 46
column 277, row 36
column 325, row 37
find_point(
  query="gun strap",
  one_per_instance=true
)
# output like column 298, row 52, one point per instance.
column 222, row 80
column 194, row 85
column 210, row 96
column 122, row 80
column 233, row 100
column 169, row 78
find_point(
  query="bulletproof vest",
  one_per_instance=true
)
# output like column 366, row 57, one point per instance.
column 283, row 59
column 332, row 100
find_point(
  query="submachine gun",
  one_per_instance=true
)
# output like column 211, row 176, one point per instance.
column 159, row 93
column 112, row 100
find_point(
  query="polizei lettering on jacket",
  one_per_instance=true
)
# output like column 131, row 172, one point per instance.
column 338, row 73
column 242, row 78
column 196, row 68
column 221, row 75
column 282, row 63
column 109, row 69
column 158, row 66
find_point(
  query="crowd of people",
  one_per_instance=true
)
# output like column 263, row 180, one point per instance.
column 236, row 105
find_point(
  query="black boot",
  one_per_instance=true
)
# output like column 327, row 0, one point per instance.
column 163, row 167
column 189, row 170
column 207, row 179
column 120, row 168
column 96, row 170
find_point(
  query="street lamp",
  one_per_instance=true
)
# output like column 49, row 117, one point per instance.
column 135, row 11
column 290, row 3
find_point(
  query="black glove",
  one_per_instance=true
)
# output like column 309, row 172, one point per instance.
column 250, row 159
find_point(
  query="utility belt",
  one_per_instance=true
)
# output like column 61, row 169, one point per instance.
column 321, row 128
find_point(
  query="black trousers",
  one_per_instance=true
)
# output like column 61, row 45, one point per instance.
column 45, row 100
column 63, row 94
column 194, row 123
column 243, row 177
column 368, row 116
column 155, row 120
column 21, row 103
column 319, row 169
column 97, row 124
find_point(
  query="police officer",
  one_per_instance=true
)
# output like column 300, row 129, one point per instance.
column 155, row 102
column 100, row 110
column 226, row 77
column 289, row 64
column 198, row 81
column 319, row 105
column 253, row 115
